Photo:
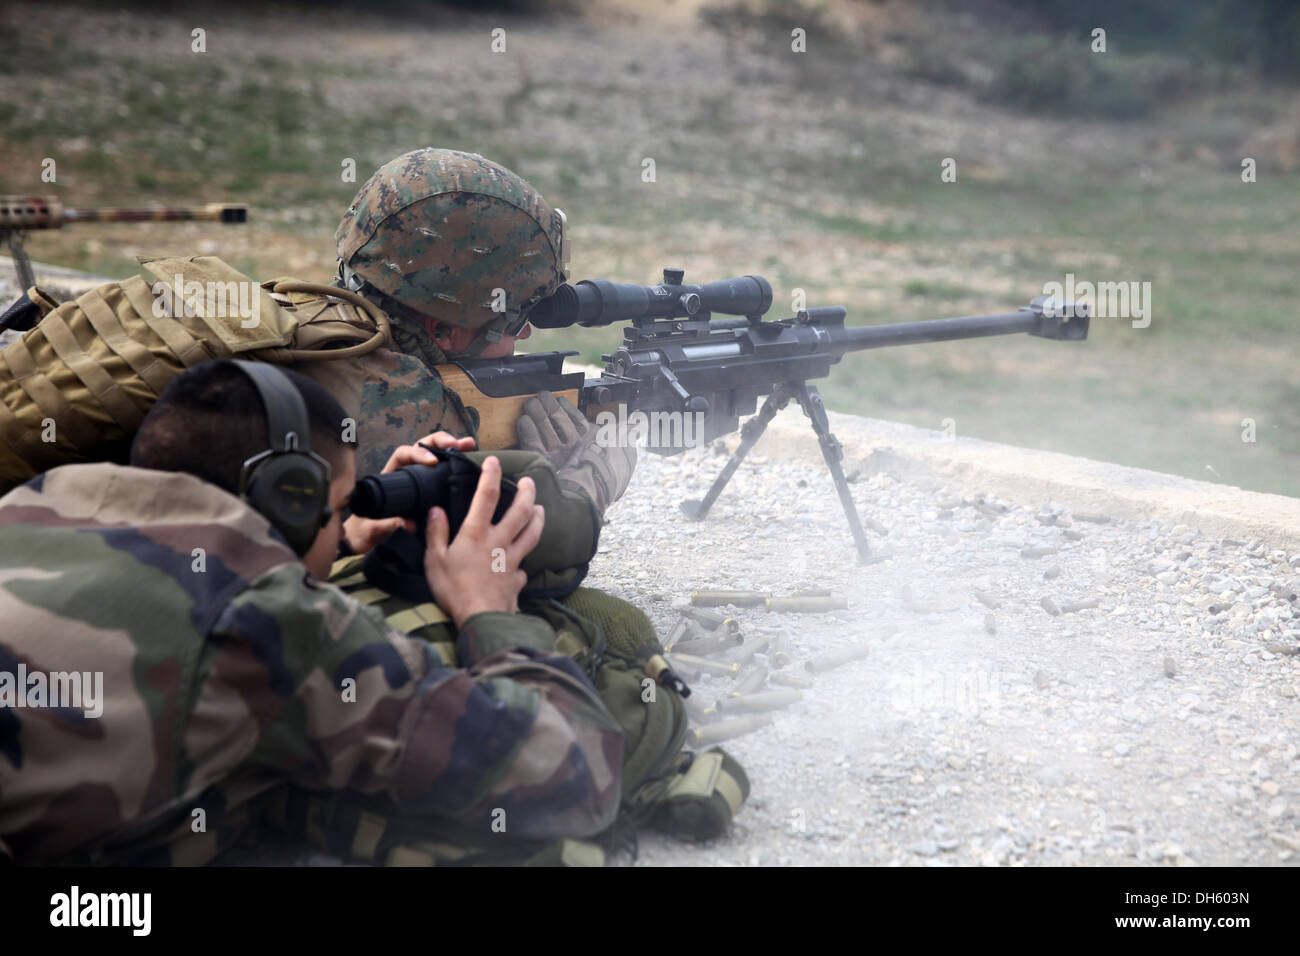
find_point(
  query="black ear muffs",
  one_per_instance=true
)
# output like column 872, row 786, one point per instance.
column 288, row 484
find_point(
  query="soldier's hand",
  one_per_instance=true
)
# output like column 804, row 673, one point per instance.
column 362, row 534
column 479, row 570
column 438, row 441
column 554, row 428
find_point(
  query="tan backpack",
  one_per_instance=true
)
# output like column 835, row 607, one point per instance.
column 77, row 385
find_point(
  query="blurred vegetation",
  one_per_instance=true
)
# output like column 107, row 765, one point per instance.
column 1260, row 34
column 1036, row 55
column 780, row 16
column 1157, row 53
column 820, row 172
column 1060, row 75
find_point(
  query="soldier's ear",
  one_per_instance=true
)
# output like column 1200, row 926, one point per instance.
column 451, row 338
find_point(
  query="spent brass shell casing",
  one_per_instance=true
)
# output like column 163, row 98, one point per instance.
column 720, row 598
column 743, row 653
column 677, row 634
column 836, row 659
column 712, row 620
column 807, row 605
column 683, row 671
column 726, row 729
column 703, row 665
column 779, row 649
column 749, row 682
column 702, row 615
column 760, row 702
column 699, row 711
column 708, row 645
column 790, row 680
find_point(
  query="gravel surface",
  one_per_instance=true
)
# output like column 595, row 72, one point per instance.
column 991, row 722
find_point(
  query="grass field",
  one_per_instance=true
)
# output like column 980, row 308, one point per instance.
column 822, row 173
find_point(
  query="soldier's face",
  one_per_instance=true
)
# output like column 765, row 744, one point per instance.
column 455, row 338
column 507, row 344
column 326, row 546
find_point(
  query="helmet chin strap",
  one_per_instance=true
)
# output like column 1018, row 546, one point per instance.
column 506, row 323
column 510, row 322
column 348, row 279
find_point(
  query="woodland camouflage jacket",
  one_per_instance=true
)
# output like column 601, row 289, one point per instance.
column 227, row 669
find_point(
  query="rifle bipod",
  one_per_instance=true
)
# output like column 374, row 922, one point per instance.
column 811, row 403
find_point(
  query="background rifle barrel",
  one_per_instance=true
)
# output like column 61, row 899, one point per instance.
column 212, row 212
column 20, row 213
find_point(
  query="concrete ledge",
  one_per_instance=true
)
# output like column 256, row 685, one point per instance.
column 70, row 282
column 1029, row 476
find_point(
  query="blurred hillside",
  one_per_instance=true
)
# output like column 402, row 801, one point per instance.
column 820, row 170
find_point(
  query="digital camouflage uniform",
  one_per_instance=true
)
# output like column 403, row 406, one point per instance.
column 225, row 678
column 439, row 236
column 401, row 401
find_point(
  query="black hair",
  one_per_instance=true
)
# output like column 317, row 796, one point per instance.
column 211, row 419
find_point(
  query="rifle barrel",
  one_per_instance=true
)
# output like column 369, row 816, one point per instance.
column 857, row 337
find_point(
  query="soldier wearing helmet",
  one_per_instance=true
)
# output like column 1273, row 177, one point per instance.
column 456, row 249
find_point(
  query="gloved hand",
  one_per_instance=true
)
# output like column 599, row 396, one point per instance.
column 553, row 428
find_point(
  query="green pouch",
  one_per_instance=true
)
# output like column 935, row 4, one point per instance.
column 699, row 800
column 616, row 644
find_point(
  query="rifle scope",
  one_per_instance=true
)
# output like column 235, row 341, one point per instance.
column 595, row 302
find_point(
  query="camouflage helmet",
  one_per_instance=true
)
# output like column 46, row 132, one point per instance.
column 439, row 231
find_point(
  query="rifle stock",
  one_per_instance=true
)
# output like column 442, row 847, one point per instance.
column 498, row 388
column 497, row 415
